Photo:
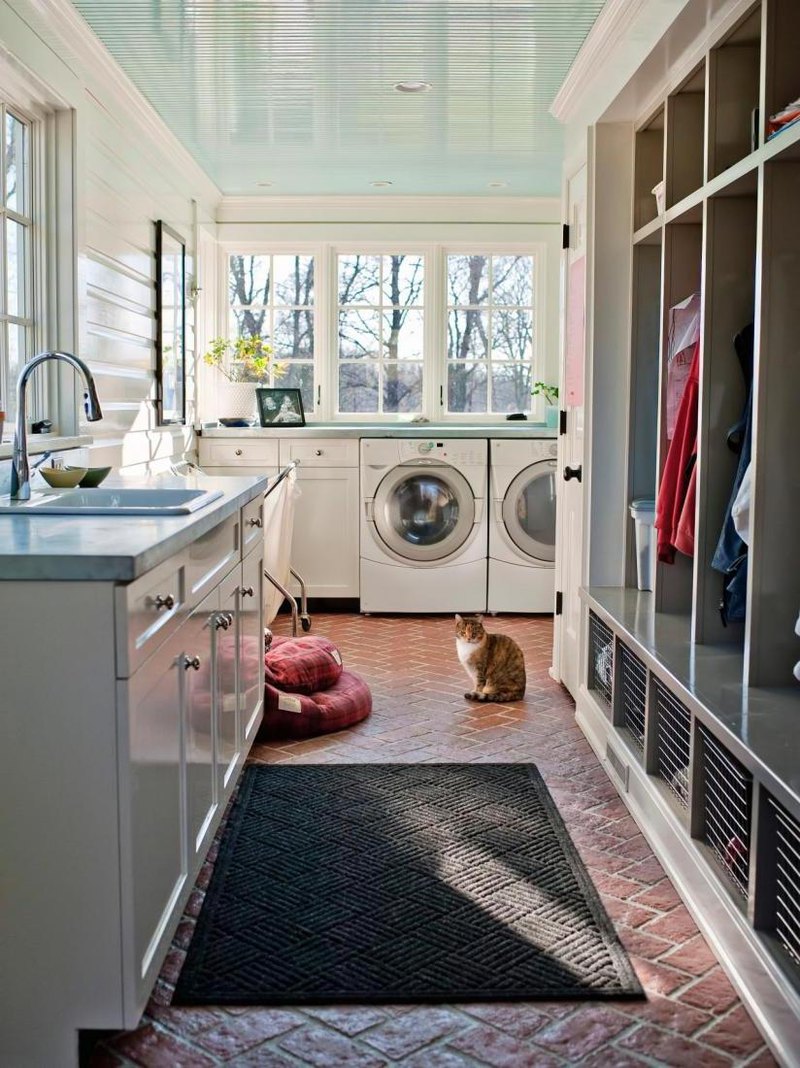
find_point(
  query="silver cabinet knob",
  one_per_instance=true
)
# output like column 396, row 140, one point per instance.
column 318, row 452
column 191, row 662
column 254, row 522
column 164, row 602
column 223, row 621
column 238, row 452
column 246, row 591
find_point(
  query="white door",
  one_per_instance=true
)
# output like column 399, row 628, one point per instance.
column 569, row 537
column 325, row 536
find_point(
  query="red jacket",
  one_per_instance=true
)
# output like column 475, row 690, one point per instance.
column 676, row 494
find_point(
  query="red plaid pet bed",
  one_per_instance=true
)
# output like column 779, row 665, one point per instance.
column 294, row 715
column 302, row 665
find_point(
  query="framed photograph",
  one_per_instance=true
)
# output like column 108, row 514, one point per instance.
column 280, row 407
column 170, row 325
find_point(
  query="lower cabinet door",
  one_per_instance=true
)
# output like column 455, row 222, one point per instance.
column 251, row 647
column 200, row 682
column 325, row 535
column 154, row 850
column 226, row 656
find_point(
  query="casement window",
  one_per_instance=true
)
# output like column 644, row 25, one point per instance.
column 490, row 333
column 16, row 255
column 272, row 296
column 380, row 319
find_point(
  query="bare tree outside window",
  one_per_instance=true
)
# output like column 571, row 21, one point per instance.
column 490, row 331
column 380, row 323
column 272, row 297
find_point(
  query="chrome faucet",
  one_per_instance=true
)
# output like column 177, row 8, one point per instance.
column 20, row 468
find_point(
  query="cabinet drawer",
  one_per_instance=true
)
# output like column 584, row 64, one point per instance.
column 320, row 452
column 210, row 558
column 239, row 452
column 252, row 524
column 148, row 611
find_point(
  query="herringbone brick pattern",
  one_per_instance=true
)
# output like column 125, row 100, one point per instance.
column 691, row 1015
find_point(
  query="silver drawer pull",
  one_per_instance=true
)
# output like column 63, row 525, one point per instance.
column 318, row 452
column 238, row 452
column 254, row 522
column 191, row 662
column 223, row 621
column 246, row 591
column 163, row 602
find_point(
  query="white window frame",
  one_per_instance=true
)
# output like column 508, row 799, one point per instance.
column 326, row 328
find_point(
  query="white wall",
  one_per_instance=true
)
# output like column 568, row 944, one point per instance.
column 129, row 171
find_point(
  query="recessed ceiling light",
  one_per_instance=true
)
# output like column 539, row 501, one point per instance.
column 497, row 185
column 412, row 87
column 380, row 185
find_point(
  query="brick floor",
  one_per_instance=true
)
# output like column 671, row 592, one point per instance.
column 691, row 1015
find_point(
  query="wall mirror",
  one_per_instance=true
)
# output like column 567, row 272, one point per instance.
column 171, row 325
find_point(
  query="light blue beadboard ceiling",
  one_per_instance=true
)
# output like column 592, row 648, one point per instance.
column 298, row 93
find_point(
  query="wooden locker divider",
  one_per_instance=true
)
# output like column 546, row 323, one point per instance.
column 685, row 138
column 734, row 94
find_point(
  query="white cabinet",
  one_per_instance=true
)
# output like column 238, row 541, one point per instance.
column 129, row 713
column 325, row 538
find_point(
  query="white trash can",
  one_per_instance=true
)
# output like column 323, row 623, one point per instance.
column 644, row 514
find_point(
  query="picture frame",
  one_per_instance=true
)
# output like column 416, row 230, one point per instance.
column 280, row 407
column 170, row 326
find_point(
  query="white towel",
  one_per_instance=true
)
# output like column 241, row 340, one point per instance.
column 278, row 527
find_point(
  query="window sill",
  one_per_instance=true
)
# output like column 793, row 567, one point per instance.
column 39, row 443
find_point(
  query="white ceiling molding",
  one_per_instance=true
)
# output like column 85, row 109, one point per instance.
column 624, row 34
column 401, row 209
column 68, row 35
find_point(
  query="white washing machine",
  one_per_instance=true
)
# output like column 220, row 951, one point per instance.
column 522, row 529
column 424, row 528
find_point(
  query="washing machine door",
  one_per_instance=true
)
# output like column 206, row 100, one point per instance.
column 529, row 511
column 424, row 512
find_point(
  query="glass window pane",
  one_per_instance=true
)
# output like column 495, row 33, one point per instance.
column 249, row 280
column 403, row 280
column 512, row 334
column 293, row 334
column 467, row 280
column 359, row 334
column 402, row 387
column 293, row 279
column 16, row 164
column 17, row 349
column 299, row 376
column 358, row 387
column 359, row 279
column 403, row 335
column 512, row 280
column 466, row 387
column 15, row 268
column 250, row 322
column 511, row 387
column 467, row 335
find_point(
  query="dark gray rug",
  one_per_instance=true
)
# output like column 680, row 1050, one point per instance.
column 398, row 882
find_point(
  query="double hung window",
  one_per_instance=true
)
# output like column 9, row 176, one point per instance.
column 273, row 297
column 16, row 250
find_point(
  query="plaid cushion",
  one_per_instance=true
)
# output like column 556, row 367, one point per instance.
column 302, row 665
column 292, row 715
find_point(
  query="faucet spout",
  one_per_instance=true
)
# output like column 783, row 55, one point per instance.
column 20, row 467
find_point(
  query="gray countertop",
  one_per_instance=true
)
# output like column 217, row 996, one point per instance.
column 114, row 548
column 385, row 430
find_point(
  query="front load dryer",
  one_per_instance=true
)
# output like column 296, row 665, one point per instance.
column 522, row 529
column 424, row 529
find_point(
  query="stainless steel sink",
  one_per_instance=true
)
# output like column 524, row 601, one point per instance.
column 120, row 501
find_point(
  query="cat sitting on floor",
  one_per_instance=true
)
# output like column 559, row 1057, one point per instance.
column 494, row 662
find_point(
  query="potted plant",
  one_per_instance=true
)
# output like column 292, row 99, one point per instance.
column 550, row 395
column 244, row 363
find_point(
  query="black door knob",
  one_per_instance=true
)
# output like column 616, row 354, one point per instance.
column 573, row 472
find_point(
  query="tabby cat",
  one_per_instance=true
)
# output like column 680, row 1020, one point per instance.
column 494, row 662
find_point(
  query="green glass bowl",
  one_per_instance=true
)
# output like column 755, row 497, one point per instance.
column 92, row 476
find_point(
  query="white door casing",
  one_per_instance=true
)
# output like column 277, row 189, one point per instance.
column 569, row 517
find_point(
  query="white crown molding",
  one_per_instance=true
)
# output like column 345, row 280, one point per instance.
column 58, row 21
column 389, row 208
column 622, row 37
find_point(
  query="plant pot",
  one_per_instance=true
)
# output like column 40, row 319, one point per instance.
column 551, row 416
column 236, row 400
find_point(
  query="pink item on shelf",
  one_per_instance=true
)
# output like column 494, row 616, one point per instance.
column 783, row 118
